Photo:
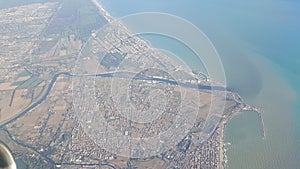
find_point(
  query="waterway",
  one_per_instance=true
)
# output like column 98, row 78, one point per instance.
column 259, row 45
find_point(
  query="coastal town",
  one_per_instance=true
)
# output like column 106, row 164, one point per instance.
column 88, row 95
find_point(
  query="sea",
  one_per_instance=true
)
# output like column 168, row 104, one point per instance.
column 259, row 45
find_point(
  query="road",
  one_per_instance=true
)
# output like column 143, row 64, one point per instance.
column 110, row 75
column 123, row 75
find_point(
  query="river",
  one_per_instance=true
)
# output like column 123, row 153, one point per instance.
column 258, row 43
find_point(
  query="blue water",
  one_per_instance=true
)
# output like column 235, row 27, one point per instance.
column 259, row 44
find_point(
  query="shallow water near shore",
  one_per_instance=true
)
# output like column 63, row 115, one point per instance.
column 261, row 59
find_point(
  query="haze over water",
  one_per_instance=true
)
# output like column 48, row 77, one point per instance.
column 259, row 45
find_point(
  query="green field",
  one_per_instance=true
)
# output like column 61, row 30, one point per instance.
column 28, row 84
column 23, row 74
column 112, row 59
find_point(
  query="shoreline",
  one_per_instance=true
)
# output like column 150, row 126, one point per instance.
column 226, row 119
column 244, row 107
column 223, row 156
column 101, row 9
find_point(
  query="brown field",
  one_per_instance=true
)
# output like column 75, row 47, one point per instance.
column 18, row 105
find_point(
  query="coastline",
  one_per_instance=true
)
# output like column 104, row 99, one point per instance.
column 226, row 118
column 223, row 157
column 246, row 107
column 101, row 9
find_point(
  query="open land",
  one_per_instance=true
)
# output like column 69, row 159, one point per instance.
column 46, row 127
